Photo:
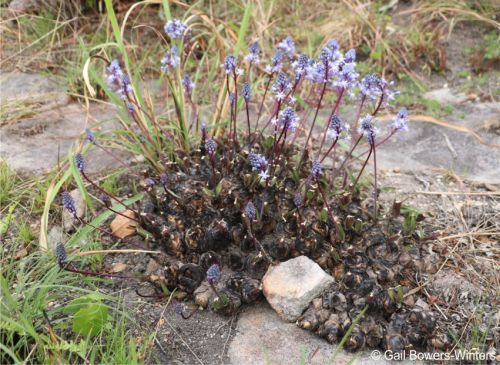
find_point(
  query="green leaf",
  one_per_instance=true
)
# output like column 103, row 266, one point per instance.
column 391, row 293
column 76, row 304
column 208, row 192
column 323, row 215
column 400, row 295
column 341, row 232
column 348, row 334
column 89, row 321
column 268, row 142
column 218, row 188
column 387, row 189
column 5, row 223
column 166, row 10
column 243, row 28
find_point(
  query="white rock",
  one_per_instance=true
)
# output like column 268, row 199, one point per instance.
column 445, row 96
column 55, row 236
column 290, row 286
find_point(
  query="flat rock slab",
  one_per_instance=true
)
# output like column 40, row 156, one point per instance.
column 290, row 286
column 427, row 146
column 24, row 88
column 40, row 142
column 445, row 95
column 39, row 124
column 263, row 338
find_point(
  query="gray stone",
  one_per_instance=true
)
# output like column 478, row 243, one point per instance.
column 263, row 338
column 290, row 286
column 25, row 6
column 27, row 89
column 42, row 141
column 55, row 236
column 428, row 147
column 445, row 96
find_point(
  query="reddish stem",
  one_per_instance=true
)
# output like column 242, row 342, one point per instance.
column 375, row 177
column 334, row 110
column 98, row 274
column 91, row 225
column 356, row 121
column 263, row 99
column 330, row 211
column 364, row 165
column 379, row 143
column 235, row 106
column 350, row 153
column 104, row 191
column 248, row 121
column 312, row 125
column 330, row 149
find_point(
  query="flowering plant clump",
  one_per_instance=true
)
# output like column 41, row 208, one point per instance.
column 281, row 179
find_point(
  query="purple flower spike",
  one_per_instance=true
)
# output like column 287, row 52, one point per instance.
column 89, row 136
column 80, row 162
column 281, row 86
column 253, row 55
column 400, row 123
column 171, row 60
column 297, row 200
column 163, row 179
column 369, row 86
column 149, row 183
column 367, row 129
column 276, row 65
column 333, row 45
column 316, row 169
column 327, row 67
column 287, row 47
column 115, row 73
column 250, row 211
column 288, row 119
column 213, row 274
column 210, row 147
column 126, row 88
column 326, row 56
column 187, row 84
column 300, row 66
column 336, row 127
column 105, row 199
column 118, row 81
column 246, row 92
column 60, row 253
column 175, row 28
column 387, row 93
column 69, row 204
column 259, row 163
column 347, row 77
column 350, row 56
column 229, row 64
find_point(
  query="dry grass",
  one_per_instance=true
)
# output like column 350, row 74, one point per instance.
column 406, row 35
